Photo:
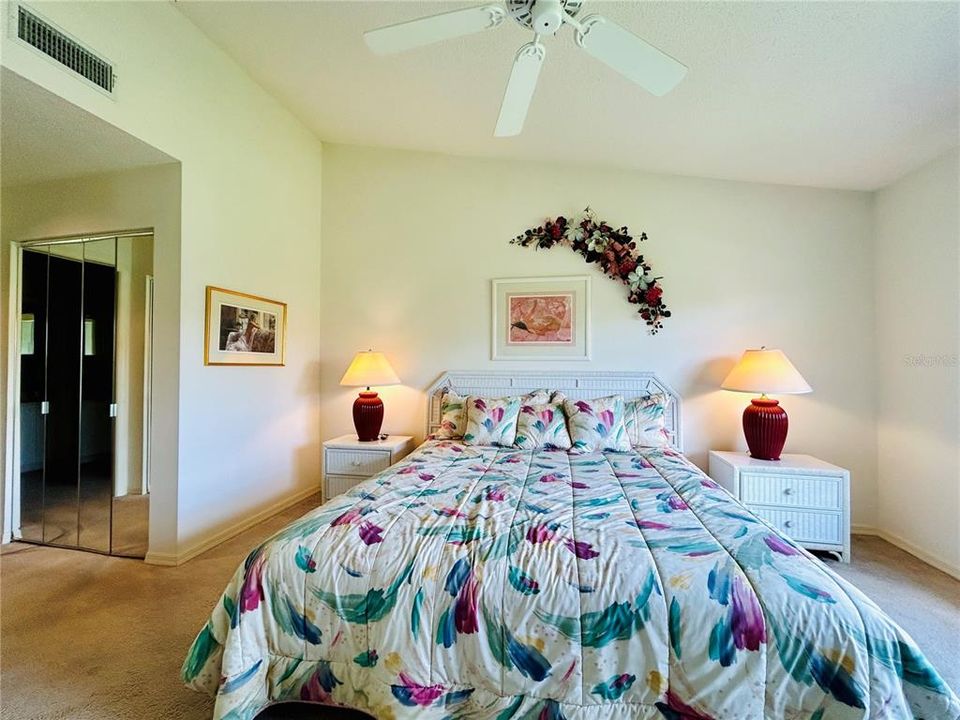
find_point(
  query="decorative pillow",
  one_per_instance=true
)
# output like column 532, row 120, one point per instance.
column 453, row 416
column 645, row 420
column 491, row 421
column 597, row 424
column 542, row 425
column 453, row 412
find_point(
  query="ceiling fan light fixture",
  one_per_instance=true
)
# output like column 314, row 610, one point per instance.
column 547, row 16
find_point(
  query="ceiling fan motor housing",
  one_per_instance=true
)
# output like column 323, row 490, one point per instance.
column 542, row 16
column 547, row 16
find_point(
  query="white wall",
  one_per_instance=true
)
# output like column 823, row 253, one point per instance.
column 412, row 240
column 134, row 265
column 103, row 203
column 250, row 220
column 918, row 344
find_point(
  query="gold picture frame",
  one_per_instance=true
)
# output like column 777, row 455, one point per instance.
column 243, row 329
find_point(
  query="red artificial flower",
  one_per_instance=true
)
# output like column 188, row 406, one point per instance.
column 653, row 294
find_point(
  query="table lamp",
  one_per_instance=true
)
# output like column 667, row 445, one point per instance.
column 368, row 368
column 764, row 421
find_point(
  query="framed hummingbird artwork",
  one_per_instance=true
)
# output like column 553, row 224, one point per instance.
column 546, row 318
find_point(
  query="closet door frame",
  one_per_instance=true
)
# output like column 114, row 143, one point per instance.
column 11, row 471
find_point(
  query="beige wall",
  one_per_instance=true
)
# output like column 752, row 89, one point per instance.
column 918, row 344
column 102, row 203
column 250, row 220
column 412, row 240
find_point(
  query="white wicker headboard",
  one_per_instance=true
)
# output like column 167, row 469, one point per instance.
column 578, row 385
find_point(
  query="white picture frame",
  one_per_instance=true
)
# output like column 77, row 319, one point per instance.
column 541, row 318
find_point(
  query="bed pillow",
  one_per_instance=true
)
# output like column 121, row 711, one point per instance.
column 453, row 412
column 645, row 420
column 542, row 425
column 491, row 421
column 597, row 424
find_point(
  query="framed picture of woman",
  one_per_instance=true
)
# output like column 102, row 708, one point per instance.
column 243, row 329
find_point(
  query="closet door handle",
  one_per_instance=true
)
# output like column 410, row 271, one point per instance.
column 113, row 409
column 45, row 407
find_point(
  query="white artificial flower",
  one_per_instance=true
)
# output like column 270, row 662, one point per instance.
column 637, row 281
column 597, row 242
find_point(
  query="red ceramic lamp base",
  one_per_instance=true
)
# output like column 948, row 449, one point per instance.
column 368, row 415
column 765, row 427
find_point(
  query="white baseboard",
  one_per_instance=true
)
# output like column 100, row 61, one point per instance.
column 909, row 547
column 156, row 558
column 173, row 559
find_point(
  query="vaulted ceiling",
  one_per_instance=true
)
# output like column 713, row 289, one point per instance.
column 830, row 94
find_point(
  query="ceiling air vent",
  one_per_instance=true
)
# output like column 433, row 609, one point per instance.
column 46, row 38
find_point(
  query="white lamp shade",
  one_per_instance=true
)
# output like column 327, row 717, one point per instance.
column 765, row 371
column 369, row 368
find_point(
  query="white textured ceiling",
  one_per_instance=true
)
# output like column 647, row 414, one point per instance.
column 44, row 137
column 832, row 94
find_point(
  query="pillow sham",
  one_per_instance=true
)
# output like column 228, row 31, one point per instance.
column 597, row 424
column 645, row 420
column 542, row 425
column 491, row 421
column 453, row 412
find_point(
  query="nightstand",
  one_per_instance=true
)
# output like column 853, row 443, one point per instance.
column 803, row 497
column 347, row 460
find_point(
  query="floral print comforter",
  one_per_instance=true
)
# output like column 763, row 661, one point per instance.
column 489, row 583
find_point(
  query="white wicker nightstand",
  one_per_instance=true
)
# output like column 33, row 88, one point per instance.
column 347, row 461
column 803, row 497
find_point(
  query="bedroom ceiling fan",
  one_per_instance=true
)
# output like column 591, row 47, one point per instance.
column 636, row 59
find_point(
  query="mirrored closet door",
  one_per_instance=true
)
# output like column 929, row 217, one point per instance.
column 86, row 311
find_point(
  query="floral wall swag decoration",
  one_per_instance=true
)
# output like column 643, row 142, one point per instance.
column 615, row 251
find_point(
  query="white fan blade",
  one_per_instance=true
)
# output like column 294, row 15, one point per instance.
column 424, row 31
column 630, row 56
column 520, row 87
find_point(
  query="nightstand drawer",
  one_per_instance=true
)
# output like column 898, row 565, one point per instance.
column 791, row 490
column 339, row 484
column 356, row 462
column 804, row 527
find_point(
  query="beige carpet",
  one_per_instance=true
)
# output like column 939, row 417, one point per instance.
column 89, row 637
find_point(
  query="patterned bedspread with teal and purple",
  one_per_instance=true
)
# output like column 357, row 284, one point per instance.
column 489, row 583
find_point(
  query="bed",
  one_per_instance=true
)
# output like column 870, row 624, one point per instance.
column 497, row 583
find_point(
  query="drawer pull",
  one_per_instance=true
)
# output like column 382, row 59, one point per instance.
column 788, row 491
column 788, row 524
column 356, row 463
